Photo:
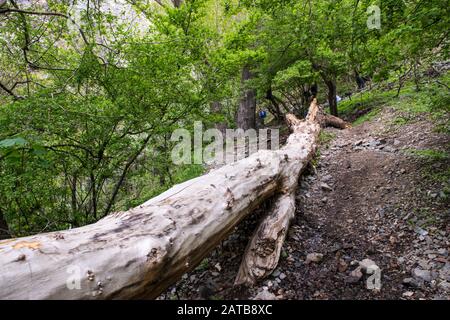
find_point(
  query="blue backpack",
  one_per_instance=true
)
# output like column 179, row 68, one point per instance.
column 262, row 114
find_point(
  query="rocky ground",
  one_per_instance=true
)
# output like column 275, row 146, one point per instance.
column 367, row 206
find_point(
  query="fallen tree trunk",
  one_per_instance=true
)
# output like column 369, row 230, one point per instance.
column 263, row 251
column 141, row 252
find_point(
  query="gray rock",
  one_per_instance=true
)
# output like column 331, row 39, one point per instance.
column 444, row 285
column 367, row 263
column 420, row 231
column 342, row 265
column 356, row 274
column 408, row 294
column 423, row 264
column 444, row 273
column 276, row 273
column 373, row 143
column 326, row 187
column 314, row 257
column 282, row 276
column 440, row 298
column 389, row 149
column 265, row 294
column 424, row 275
column 304, row 185
column 411, row 282
column 335, row 247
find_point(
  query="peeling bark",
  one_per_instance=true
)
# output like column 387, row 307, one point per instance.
column 141, row 252
column 263, row 251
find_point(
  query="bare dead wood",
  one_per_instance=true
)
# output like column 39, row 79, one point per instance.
column 141, row 252
column 263, row 251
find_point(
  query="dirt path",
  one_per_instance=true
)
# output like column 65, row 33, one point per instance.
column 366, row 199
column 365, row 203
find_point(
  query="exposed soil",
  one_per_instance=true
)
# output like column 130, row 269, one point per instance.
column 366, row 198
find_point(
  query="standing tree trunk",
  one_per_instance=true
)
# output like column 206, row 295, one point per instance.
column 4, row 229
column 276, row 103
column 360, row 81
column 332, row 92
column 246, row 115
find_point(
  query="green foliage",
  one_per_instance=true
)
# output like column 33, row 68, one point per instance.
column 87, row 110
column 435, row 169
column 432, row 99
column 326, row 137
column 365, row 106
column 95, row 138
column 204, row 265
column 429, row 154
column 367, row 117
column 400, row 121
column 15, row 142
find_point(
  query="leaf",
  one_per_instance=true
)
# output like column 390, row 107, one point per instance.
column 39, row 150
column 14, row 157
column 15, row 142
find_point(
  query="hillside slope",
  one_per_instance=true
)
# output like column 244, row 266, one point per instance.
column 377, row 191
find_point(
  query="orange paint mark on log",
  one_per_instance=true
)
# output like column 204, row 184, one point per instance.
column 26, row 244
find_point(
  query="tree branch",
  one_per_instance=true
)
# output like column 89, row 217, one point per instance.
column 10, row 92
column 46, row 13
